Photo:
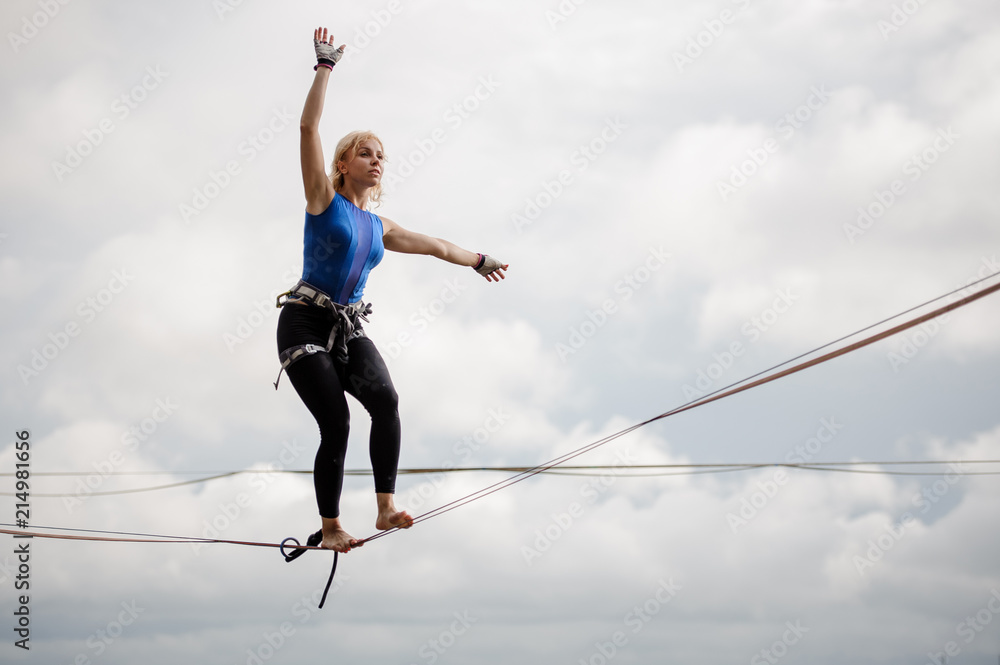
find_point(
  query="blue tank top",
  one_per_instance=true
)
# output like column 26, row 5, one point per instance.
column 342, row 244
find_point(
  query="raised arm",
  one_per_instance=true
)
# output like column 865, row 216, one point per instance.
column 318, row 188
column 397, row 239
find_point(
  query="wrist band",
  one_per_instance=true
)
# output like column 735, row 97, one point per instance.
column 323, row 64
column 482, row 260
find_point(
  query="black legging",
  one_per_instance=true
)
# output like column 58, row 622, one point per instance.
column 321, row 383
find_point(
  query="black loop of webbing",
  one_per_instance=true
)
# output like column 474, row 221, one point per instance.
column 330, row 580
column 312, row 541
column 293, row 555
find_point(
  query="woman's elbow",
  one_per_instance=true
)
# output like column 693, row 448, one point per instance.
column 439, row 249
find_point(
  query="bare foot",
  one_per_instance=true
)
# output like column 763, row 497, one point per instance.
column 335, row 538
column 394, row 518
column 388, row 516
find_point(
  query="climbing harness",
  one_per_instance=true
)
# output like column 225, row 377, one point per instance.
column 345, row 327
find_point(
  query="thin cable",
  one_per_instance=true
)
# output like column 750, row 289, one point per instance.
column 888, row 473
column 712, row 397
column 130, row 491
column 426, row 470
column 848, row 336
column 145, row 537
column 573, row 470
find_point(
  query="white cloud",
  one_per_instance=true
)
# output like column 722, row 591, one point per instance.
column 492, row 350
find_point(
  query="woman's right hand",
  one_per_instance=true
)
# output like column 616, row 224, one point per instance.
column 326, row 55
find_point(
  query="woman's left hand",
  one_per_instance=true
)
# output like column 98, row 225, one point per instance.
column 490, row 268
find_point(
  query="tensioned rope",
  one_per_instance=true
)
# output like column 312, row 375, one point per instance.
column 583, row 470
column 142, row 537
column 721, row 393
column 547, row 468
column 426, row 470
column 726, row 391
column 568, row 471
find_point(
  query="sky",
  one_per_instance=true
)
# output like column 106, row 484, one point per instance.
column 686, row 194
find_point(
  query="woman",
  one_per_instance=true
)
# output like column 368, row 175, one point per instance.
column 320, row 340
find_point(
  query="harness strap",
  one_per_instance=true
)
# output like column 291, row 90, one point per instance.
column 288, row 356
column 309, row 292
column 291, row 354
column 345, row 326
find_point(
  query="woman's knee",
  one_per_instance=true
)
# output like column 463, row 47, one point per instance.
column 334, row 424
column 383, row 400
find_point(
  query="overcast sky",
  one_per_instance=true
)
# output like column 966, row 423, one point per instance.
column 686, row 193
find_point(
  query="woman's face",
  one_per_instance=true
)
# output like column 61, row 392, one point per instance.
column 365, row 166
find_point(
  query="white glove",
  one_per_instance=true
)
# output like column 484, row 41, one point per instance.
column 326, row 55
column 487, row 266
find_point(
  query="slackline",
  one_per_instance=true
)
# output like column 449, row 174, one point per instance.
column 727, row 391
column 712, row 397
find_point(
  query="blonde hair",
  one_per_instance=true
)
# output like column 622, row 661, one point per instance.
column 346, row 149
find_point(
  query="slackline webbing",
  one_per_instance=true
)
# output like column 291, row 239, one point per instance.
column 712, row 397
column 524, row 475
column 142, row 537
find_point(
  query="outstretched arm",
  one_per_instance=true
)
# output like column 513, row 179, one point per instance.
column 397, row 239
column 318, row 188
